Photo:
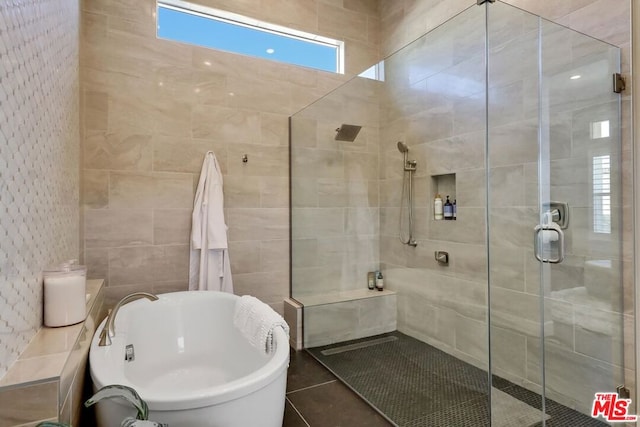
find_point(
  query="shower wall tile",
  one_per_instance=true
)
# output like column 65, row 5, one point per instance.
column 515, row 143
column 513, row 359
column 471, row 188
column 468, row 228
column 515, row 311
column 507, row 186
column 342, row 321
column 513, row 154
column 454, row 154
column 318, row 163
column 471, row 337
column 509, row 271
column 414, row 311
column 39, row 148
column 333, row 192
column 306, row 193
column 566, row 372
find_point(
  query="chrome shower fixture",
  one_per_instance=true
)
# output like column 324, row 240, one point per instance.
column 407, row 181
column 347, row 132
column 409, row 165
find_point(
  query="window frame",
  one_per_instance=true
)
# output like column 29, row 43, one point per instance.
column 254, row 24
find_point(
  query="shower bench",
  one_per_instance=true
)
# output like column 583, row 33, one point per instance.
column 341, row 316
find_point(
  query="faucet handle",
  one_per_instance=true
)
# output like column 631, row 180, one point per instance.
column 105, row 339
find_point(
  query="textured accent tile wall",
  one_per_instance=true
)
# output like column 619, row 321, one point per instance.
column 39, row 155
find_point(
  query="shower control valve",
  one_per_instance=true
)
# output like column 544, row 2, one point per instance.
column 442, row 257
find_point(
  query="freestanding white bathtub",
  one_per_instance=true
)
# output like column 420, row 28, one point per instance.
column 191, row 366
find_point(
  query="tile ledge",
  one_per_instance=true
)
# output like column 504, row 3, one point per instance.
column 14, row 378
column 343, row 296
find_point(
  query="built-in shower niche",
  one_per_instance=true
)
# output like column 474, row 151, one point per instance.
column 445, row 185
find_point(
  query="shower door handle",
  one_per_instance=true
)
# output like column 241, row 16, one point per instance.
column 554, row 228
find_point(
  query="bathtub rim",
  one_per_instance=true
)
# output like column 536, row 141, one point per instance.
column 106, row 365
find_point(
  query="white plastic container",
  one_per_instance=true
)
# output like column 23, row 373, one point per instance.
column 437, row 208
column 65, row 289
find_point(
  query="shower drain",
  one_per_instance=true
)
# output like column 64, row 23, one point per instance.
column 357, row 346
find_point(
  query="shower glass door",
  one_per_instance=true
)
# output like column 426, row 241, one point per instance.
column 554, row 208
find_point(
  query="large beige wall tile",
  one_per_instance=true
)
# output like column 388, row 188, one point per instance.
column 225, row 124
column 158, row 190
column 122, row 150
column 114, row 228
column 300, row 14
column 257, row 224
column 130, row 265
column 28, row 404
column 171, row 226
column 271, row 287
column 185, row 155
column 262, row 160
column 95, row 188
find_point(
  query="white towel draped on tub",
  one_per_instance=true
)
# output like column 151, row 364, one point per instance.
column 209, row 267
column 256, row 321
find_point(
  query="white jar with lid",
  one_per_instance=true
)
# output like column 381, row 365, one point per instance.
column 65, row 288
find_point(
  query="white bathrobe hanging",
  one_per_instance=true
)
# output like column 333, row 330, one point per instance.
column 209, row 267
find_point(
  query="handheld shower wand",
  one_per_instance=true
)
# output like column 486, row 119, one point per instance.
column 409, row 167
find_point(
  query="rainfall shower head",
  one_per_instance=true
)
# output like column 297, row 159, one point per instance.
column 403, row 147
column 347, row 132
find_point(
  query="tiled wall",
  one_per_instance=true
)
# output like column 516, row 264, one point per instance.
column 335, row 186
column 39, row 152
column 447, row 306
column 433, row 101
column 152, row 108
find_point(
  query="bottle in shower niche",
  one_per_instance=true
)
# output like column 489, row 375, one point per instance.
column 448, row 209
column 371, row 280
column 455, row 209
column 437, row 207
column 379, row 281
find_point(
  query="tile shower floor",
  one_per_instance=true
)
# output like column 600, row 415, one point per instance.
column 441, row 390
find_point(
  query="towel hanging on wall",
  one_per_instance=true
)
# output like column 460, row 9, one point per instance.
column 209, row 266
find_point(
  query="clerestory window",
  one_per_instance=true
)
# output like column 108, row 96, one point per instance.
column 203, row 26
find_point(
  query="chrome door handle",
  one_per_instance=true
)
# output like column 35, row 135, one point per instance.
column 536, row 242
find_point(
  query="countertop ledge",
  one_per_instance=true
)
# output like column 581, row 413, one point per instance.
column 45, row 356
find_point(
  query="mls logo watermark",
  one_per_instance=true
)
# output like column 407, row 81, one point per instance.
column 612, row 408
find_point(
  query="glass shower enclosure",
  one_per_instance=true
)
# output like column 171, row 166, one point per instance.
column 512, row 313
